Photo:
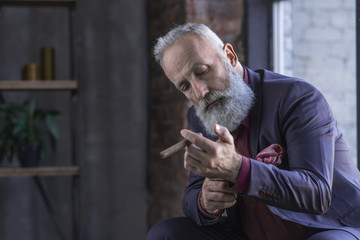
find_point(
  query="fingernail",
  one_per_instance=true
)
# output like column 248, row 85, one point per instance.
column 219, row 128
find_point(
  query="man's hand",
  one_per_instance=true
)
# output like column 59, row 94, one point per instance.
column 216, row 194
column 212, row 159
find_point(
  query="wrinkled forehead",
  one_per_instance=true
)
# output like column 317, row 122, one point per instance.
column 188, row 50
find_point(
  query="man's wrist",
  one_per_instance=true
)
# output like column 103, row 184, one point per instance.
column 236, row 169
column 205, row 213
column 243, row 179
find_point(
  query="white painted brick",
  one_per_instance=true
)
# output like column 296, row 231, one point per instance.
column 322, row 34
column 301, row 18
column 349, row 4
column 288, row 45
column 330, row 63
column 349, row 35
column 351, row 14
column 297, row 5
column 348, row 76
column 303, row 48
column 340, row 49
column 320, row 18
column 322, row 4
column 339, row 19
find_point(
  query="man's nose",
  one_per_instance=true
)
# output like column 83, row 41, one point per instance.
column 200, row 89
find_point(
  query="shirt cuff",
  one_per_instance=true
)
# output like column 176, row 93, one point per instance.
column 243, row 180
column 205, row 213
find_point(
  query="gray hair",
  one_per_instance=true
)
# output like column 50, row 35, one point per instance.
column 170, row 38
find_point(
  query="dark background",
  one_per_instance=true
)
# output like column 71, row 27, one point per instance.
column 123, row 114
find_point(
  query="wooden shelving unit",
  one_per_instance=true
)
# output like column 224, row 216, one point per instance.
column 40, row 171
column 56, row 85
column 70, row 85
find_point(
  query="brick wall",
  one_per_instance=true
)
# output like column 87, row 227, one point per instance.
column 167, row 178
column 225, row 17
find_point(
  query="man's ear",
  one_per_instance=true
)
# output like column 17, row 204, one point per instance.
column 230, row 54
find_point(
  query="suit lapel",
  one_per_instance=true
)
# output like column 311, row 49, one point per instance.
column 255, row 113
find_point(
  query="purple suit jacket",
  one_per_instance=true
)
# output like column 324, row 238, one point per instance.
column 317, row 184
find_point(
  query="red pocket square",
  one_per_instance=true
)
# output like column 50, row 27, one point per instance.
column 272, row 154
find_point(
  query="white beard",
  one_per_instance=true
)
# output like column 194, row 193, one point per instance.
column 233, row 106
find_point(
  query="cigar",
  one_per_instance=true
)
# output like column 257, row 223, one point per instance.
column 174, row 148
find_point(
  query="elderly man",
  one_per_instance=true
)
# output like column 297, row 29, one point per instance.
column 270, row 162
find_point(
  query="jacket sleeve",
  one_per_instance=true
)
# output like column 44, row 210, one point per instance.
column 309, row 130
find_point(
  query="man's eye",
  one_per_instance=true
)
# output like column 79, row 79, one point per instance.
column 184, row 87
column 201, row 71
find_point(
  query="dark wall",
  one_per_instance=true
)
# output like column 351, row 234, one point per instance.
column 111, row 64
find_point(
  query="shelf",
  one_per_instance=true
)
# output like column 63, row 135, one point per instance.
column 38, row 85
column 40, row 171
column 36, row 1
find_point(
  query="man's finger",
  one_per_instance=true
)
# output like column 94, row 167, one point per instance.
column 223, row 133
column 200, row 141
column 191, row 162
column 220, row 197
column 196, row 152
column 218, row 185
column 213, row 205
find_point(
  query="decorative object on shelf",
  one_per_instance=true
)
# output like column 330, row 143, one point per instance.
column 32, row 155
column 47, row 63
column 23, row 129
column 30, row 71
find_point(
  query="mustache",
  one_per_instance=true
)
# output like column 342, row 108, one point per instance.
column 209, row 98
